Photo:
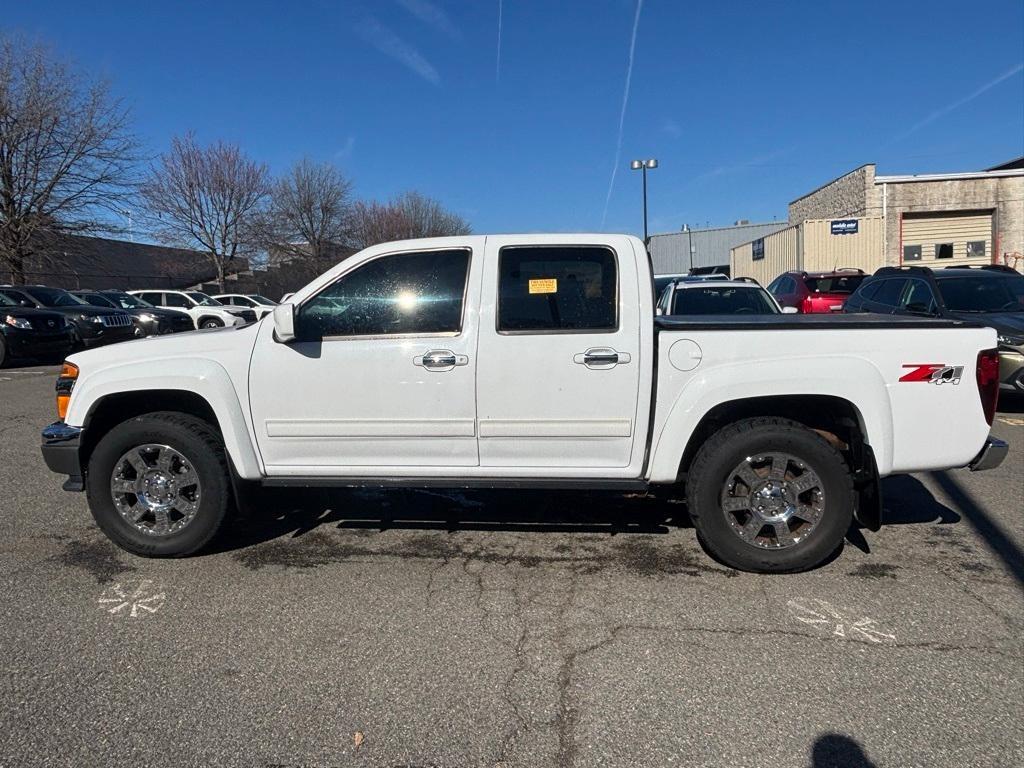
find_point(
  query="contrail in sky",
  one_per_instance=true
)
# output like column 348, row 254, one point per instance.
column 956, row 104
column 497, row 61
column 622, row 115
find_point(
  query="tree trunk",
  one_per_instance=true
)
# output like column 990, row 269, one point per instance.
column 220, row 275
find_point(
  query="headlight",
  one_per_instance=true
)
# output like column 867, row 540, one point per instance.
column 1010, row 341
column 18, row 322
column 93, row 319
column 147, row 317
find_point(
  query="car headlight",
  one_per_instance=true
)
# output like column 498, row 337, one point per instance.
column 18, row 322
column 1010, row 341
column 93, row 319
column 147, row 317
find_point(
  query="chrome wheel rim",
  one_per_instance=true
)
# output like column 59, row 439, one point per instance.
column 773, row 500
column 155, row 489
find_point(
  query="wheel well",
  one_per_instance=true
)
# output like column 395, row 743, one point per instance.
column 204, row 318
column 835, row 419
column 114, row 409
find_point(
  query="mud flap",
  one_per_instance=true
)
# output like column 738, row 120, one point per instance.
column 868, row 486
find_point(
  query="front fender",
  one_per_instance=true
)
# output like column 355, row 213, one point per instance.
column 852, row 379
column 204, row 377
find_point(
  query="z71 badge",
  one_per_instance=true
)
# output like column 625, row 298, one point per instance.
column 933, row 373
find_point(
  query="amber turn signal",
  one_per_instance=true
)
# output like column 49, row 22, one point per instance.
column 65, row 383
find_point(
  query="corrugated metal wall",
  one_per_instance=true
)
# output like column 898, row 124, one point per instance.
column 823, row 251
column 780, row 255
column 677, row 252
column 958, row 228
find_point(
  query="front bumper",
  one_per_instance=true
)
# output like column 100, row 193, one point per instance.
column 61, row 444
column 991, row 455
column 24, row 343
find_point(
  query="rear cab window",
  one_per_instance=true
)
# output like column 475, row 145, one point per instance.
column 552, row 289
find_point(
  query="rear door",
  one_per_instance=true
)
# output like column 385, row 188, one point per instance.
column 560, row 368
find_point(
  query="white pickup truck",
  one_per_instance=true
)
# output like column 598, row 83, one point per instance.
column 526, row 361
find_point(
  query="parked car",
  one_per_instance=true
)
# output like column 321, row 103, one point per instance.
column 993, row 295
column 91, row 326
column 703, row 296
column 815, row 292
column 404, row 365
column 261, row 305
column 149, row 320
column 205, row 311
column 32, row 334
column 660, row 283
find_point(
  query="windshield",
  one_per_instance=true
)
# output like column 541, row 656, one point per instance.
column 54, row 297
column 723, row 300
column 983, row 294
column 7, row 301
column 96, row 300
column 203, row 300
column 126, row 300
column 834, row 283
column 264, row 301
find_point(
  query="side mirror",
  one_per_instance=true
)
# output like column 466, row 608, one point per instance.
column 284, row 323
column 789, row 310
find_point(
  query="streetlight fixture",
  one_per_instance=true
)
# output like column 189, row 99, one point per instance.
column 644, row 166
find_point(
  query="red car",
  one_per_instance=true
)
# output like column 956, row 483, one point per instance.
column 812, row 292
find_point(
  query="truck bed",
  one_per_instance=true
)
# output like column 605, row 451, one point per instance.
column 802, row 322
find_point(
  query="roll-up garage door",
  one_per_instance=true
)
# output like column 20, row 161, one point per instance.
column 948, row 238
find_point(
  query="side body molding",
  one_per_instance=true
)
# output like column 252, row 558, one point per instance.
column 850, row 378
column 204, row 377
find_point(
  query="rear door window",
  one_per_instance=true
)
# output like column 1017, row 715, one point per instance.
column 176, row 300
column 918, row 297
column 557, row 289
column 889, row 291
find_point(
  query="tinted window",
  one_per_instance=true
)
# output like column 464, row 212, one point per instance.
column 127, row 300
column 176, row 300
column 834, row 283
column 96, row 300
column 561, row 288
column 18, row 298
column 867, row 290
column 203, row 300
column 53, row 297
column 983, row 294
column 919, row 297
column 153, row 298
column 888, row 292
column 723, row 300
column 404, row 293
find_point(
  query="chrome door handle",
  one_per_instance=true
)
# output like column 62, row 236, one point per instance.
column 439, row 360
column 599, row 358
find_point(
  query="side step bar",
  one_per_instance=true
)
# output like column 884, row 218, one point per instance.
column 567, row 483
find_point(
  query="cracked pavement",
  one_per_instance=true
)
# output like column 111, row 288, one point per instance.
column 506, row 629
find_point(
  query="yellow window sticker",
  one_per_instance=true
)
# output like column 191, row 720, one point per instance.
column 544, row 285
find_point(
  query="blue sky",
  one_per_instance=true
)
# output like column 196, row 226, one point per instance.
column 745, row 105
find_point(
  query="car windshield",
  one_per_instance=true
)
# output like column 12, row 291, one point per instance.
column 7, row 301
column 203, row 300
column 975, row 293
column 96, row 300
column 723, row 300
column 834, row 283
column 264, row 301
column 54, row 297
column 126, row 300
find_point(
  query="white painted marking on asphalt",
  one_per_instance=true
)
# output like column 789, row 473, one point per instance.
column 128, row 602
column 1011, row 421
column 825, row 615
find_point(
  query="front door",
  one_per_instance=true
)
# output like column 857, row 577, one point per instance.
column 559, row 362
column 381, row 375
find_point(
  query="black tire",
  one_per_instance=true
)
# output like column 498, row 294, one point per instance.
column 711, row 470
column 3, row 351
column 194, row 439
column 210, row 322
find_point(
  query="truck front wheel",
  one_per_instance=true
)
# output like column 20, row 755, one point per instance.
column 769, row 495
column 158, row 484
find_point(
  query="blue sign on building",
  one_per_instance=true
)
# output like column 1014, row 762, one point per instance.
column 845, row 226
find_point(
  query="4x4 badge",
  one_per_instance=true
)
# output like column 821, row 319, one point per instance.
column 933, row 373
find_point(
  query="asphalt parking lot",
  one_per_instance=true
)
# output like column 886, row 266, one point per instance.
column 506, row 629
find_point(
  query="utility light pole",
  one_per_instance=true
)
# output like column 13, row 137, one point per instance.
column 643, row 166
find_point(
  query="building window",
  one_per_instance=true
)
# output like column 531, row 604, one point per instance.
column 976, row 249
column 911, row 252
column 943, row 250
column 757, row 249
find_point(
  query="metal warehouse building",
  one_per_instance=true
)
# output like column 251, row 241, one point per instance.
column 676, row 253
column 868, row 221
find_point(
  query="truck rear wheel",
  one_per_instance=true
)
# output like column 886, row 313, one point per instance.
column 769, row 495
column 158, row 484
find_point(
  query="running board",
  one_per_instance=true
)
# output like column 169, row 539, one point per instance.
column 546, row 483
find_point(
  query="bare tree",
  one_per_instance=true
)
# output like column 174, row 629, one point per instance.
column 309, row 216
column 66, row 153
column 410, row 215
column 206, row 198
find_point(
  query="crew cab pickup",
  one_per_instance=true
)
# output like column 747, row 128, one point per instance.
column 531, row 361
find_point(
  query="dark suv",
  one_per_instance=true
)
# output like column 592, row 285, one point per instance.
column 149, row 320
column 26, row 332
column 92, row 326
column 993, row 295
